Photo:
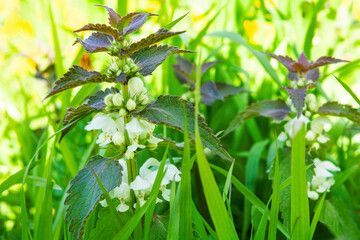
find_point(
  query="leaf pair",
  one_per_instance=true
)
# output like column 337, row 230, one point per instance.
column 210, row 91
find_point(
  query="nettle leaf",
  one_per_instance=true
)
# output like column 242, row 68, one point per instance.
column 324, row 61
column 210, row 93
column 227, row 90
column 85, row 192
column 160, row 35
column 95, row 103
column 78, row 76
column 100, row 28
column 206, row 66
column 340, row 110
column 114, row 17
column 150, row 57
column 297, row 97
column 168, row 110
column 275, row 109
column 97, row 42
column 136, row 22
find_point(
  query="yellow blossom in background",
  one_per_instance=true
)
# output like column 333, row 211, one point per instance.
column 152, row 6
column 259, row 33
column 356, row 9
column 14, row 26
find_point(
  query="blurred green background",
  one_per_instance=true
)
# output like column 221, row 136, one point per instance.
column 34, row 52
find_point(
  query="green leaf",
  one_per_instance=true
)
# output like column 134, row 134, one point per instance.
column 97, row 42
column 77, row 76
column 300, row 216
column 160, row 35
column 85, row 191
column 297, row 97
column 337, row 218
column 150, row 57
column 103, row 28
column 316, row 217
column 276, row 109
column 348, row 89
column 340, row 110
column 173, row 23
column 167, row 110
column 114, row 17
column 105, row 229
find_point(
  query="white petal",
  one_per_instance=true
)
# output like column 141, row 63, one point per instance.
column 151, row 162
column 322, row 172
column 166, row 195
column 317, row 125
column 139, row 184
column 103, row 203
column 122, row 207
column 321, row 138
column 154, row 140
column 313, row 195
column 310, row 135
column 282, row 136
column 172, row 173
column 330, row 166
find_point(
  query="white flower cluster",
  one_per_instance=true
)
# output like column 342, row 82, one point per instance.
column 119, row 129
column 291, row 128
column 323, row 178
column 310, row 104
column 142, row 184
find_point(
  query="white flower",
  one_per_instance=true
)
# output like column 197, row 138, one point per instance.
column 143, row 99
column 121, row 192
column 318, row 124
column 172, row 173
column 310, row 98
column 322, row 184
column 322, row 168
column 154, row 139
column 282, row 137
column 129, row 154
column 313, row 195
column 123, row 112
column 151, row 162
column 312, row 106
column 293, row 126
column 118, row 138
column 322, row 139
column 139, row 128
column 135, row 145
column 135, row 86
column 310, row 135
column 108, row 100
column 130, row 105
column 118, row 100
column 124, row 178
column 140, row 184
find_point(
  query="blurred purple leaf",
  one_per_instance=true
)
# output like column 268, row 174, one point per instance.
column 97, row 42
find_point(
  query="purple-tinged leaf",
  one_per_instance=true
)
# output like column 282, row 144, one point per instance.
column 297, row 97
column 160, row 35
column 209, row 93
column 114, row 17
column 313, row 75
column 185, row 65
column 275, row 109
column 206, row 66
column 286, row 61
column 292, row 76
column 168, row 110
column 303, row 59
column 150, row 57
column 97, row 42
column 77, row 76
column 324, row 61
column 137, row 22
column 95, row 103
column 183, row 77
column 227, row 90
column 85, row 192
column 100, row 28
column 340, row 110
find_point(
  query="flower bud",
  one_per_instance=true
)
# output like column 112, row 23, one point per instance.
column 126, row 69
column 288, row 143
column 307, row 114
column 310, row 135
column 312, row 106
column 123, row 112
column 143, row 99
column 108, row 100
column 118, row 100
column 301, row 82
column 118, row 138
column 151, row 146
column 129, row 154
column 135, row 86
column 310, row 98
column 131, row 105
column 316, row 146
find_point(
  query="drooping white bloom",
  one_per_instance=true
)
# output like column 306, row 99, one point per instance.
column 140, row 184
column 139, row 128
column 322, row 168
column 282, row 137
column 293, row 126
column 318, row 124
column 310, row 135
column 154, row 139
column 172, row 173
column 322, row 184
column 118, row 138
column 322, row 139
column 121, row 192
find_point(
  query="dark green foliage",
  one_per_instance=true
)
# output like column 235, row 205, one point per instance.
column 168, row 110
column 84, row 192
column 340, row 110
column 150, row 57
column 78, row 76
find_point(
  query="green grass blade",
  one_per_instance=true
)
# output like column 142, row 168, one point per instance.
column 275, row 202
column 213, row 197
column 237, row 38
column 310, row 33
column 173, row 23
column 114, row 213
column 348, row 89
column 185, row 187
column 316, row 216
column 59, row 67
column 261, row 231
column 226, row 190
column 300, row 219
column 198, row 222
column 174, row 220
